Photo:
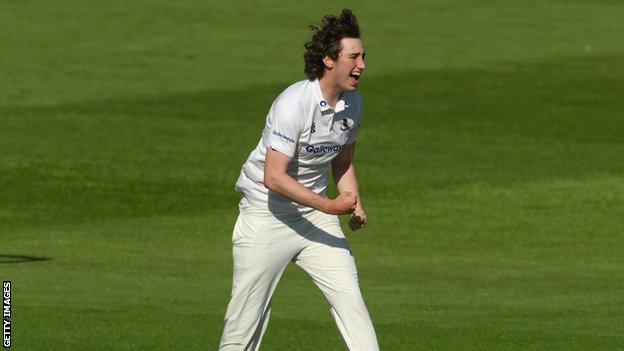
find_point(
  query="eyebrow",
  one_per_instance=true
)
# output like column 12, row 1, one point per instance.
column 356, row 54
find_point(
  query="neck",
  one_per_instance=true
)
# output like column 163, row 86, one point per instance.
column 331, row 92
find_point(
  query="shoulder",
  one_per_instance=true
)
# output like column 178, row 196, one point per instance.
column 291, row 105
column 296, row 100
column 355, row 103
column 295, row 94
column 353, row 98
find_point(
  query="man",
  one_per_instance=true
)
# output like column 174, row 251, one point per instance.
column 311, row 127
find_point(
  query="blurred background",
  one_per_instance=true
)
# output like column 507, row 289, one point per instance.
column 490, row 162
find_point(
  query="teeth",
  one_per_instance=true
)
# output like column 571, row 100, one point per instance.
column 356, row 73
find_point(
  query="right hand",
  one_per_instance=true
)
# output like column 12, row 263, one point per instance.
column 343, row 204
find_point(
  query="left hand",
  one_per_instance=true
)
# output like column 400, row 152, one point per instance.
column 358, row 219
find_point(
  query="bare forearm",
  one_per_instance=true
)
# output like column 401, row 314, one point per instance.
column 277, row 179
column 346, row 179
column 288, row 187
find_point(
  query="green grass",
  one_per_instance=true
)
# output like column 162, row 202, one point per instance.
column 490, row 164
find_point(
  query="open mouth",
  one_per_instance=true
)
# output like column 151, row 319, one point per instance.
column 355, row 75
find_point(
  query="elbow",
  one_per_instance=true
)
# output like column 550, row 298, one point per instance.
column 269, row 181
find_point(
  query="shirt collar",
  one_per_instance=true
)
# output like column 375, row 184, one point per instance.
column 322, row 104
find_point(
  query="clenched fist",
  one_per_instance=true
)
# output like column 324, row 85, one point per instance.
column 343, row 204
column 358, row 219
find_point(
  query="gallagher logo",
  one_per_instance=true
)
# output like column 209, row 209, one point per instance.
column 323, row 148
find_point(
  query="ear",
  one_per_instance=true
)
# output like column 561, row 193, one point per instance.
column 329, row 63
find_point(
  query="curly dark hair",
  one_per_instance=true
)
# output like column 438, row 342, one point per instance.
column 326, row 41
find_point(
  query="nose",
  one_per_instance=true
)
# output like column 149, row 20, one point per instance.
column 360, row 64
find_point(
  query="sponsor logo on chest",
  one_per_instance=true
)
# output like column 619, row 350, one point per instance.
column 322, row 149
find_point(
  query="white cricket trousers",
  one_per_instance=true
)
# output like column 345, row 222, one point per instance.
column 263, row 245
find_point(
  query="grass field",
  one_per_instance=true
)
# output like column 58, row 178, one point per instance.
column 490, row 161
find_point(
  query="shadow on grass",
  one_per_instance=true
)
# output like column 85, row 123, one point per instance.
column 9, row 259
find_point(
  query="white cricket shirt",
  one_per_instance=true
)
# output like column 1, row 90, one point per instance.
column 302, row 125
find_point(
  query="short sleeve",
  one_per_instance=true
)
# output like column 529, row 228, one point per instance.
column 285, row 126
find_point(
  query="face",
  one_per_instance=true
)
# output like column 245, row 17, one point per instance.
column 346, row 70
